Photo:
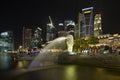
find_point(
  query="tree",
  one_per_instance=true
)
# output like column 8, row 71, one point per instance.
column 92, row 40
column 80, row 44
column 76, row 45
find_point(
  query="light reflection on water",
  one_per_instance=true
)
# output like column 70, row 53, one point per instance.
column 22, row 64
column 70, row 73
column 62, row 72
column 5, row 61
column 76, row 72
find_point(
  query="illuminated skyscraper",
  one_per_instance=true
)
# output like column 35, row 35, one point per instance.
column 27, row 37
column 87, row 22
column 69, row 26
column 97, row 25
column 6, row 41
column 51, row 31
column 61, row 30
column 78, row 26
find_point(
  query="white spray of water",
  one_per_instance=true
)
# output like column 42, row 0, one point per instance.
column 47, row 56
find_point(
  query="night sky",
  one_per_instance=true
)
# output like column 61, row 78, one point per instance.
column 14, row 14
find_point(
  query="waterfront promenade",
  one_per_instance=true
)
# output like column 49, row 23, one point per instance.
column 101, row 60
column 95, row 67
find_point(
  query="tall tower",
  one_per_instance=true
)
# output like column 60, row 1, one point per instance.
column 97, row 25
column 69, row 26
column 78, row 28
column 27, row 37
column 61, row 30
column 87, row 22
column 51, row 31
column 6, row 41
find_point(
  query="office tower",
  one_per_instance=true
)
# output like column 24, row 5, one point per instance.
column 37, row 38
column 6, row 41
column 61, row 27
column 78, row 26
column 51, row 32
column 97, row 25
column 48, row 33
column 87, row 22
column 69, row 26
column 61, row 30
column 27, row 36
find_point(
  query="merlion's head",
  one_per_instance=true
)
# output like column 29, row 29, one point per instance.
column 69, row 42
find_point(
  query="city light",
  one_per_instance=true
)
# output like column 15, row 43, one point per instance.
column 87, row 8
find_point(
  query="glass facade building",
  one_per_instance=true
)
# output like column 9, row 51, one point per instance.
column 51, row 32
column 69, row 26
column 87, row 22
column 6, row 41
column 27, row 36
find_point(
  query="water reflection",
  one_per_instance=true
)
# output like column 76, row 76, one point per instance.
column 5, row 61
column 61, row 72
column 70, row 73
column 22, row 64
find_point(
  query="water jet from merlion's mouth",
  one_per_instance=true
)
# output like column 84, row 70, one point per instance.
column 49, row 54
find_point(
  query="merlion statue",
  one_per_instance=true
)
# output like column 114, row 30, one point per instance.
column 70, row 42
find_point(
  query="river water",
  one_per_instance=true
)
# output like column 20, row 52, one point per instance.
column 11, row 69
